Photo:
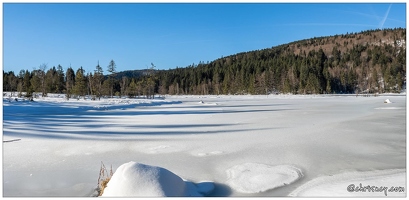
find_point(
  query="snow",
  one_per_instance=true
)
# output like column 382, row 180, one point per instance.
column 53, row 147
column 138, row 180
column 255, row 177
column 380, row 183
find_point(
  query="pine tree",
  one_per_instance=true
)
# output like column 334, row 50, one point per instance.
column 131, row 90
column 35, row 81
column 80, row 82
column 60, row 79
column 111, row 70
column 150, row 83
column 27, row 84
column 98, row 79
column 70, row 81
column 50, row 80
column 40, row 73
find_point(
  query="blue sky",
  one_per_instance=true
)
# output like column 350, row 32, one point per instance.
column 135, row 35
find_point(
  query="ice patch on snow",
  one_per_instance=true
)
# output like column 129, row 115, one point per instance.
column 255, row 178
column 139, row 180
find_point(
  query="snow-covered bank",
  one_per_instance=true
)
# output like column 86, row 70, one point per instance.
column 54, row 147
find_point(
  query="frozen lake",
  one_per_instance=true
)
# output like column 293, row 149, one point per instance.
column 53, row 147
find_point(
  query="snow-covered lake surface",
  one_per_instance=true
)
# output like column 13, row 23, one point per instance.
column 254, row 146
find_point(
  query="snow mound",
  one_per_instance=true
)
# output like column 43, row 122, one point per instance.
column 387, row 101
column 140, row 180
column 255, row 178
column 379, row 183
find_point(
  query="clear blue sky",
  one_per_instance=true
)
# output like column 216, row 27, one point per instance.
column 170, row 35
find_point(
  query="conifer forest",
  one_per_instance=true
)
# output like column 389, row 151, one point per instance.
column 368, row 62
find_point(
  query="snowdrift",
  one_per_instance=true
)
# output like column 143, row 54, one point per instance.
column 139, row 180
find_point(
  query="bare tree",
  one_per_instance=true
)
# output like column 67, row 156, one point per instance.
column 124, row 84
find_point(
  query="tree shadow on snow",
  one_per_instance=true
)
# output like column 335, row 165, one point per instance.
column 53, row 120
column 59, row 132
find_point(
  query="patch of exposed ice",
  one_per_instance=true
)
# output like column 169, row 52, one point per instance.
column 255, row 177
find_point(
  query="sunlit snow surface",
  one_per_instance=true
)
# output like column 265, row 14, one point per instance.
column 54, row 147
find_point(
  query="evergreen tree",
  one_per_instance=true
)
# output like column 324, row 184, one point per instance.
column 111, row 70
column 35, row 81
column 27, row 84
column 40, row 73
column 60, row 85
column 131, row 90
column 51, row 80
column 97, row 79
column 69, row 82
column 80, row 82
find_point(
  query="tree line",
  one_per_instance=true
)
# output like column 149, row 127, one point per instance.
column 78, row 83
column 367, row 62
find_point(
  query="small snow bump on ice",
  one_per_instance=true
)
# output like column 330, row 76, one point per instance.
column 210, row 153
column 387, row 101
column 140, row 180
column 255, row 178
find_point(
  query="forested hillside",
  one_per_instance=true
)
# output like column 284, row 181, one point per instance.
column 372, row 61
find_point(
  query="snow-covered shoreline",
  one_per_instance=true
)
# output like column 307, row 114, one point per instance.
column 55, row 146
